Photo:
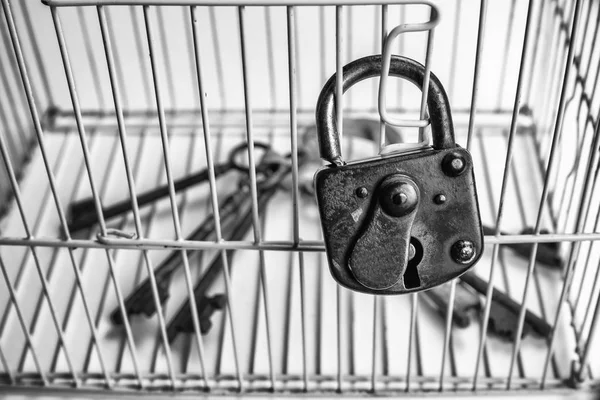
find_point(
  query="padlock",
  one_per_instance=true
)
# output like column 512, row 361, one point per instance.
column 401, row 222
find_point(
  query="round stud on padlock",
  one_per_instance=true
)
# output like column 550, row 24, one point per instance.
column 398, row 196
column 454, row 164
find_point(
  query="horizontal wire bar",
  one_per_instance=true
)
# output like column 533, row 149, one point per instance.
column 242, row 3
column 32, row 377
column 303, row 245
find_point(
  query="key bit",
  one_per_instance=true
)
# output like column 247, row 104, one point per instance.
column 504, row 312
column 465, row 300
column 547, row 253
column 503, row 322
column 206, row 306
column 141, row 301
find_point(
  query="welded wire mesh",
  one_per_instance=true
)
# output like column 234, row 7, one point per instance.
column 108, row 99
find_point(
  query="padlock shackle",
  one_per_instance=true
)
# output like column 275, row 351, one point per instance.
column 438, row 105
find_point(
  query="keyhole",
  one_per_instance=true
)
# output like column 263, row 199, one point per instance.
column 411, row 275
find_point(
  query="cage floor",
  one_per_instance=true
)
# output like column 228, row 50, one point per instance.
column 296, row 349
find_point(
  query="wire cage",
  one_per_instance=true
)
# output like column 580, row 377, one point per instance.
column 106, row 99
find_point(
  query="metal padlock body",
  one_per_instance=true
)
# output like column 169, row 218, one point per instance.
column 436, row 226
column 349, row 199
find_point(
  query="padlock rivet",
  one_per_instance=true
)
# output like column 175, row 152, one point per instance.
column 454, row 164
column 399, row 198
column 463, row 251
column 439, row 199
column 362, row 192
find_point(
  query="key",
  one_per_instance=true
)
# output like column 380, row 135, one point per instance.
column 206, row 306
column 83, row 213
column 505, row 311
column 547, row 253
column 465, row 300
column 141, row 300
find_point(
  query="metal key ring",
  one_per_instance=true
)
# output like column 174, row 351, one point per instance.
column 269, row 177
column 243, row 148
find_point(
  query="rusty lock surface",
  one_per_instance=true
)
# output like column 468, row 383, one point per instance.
column 402, row 222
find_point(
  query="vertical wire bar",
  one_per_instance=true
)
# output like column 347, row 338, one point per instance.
column 218, row 59
column 349, row 48
column 500, row 213
column 138, row 272
column 553, row 45
column 209, row 153
column 256, row 313
column 339, row 105
column 374, row 345
column 478, row 52
column 162, row 35
column 206, row 127
column 534, row 57
column 452, row 295
column 185, row 12
column 12, row 146
column 384, row 32
column 115, row 87
column 10, row 95
column 557, row 129
column 401, row 40
column 39, row 133
column 592, row 337
column 555, row 75
column 140, row 55
column 37, row 54
column 447, row 332
column 425, row 87
column 173, row 201
column 15, row 186
column 293, row 90
column 89, row 52
column 271, row 58
column 382, row 140
column 454, row 54
column 320, row 264
column 507, row 40
column 20, row 102
column 11, row 377
column 414, row 299
column 250, row 133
